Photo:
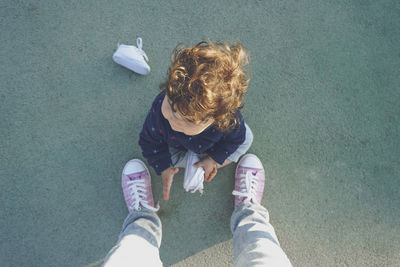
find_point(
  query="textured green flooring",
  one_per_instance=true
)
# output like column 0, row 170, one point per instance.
column 323, row 105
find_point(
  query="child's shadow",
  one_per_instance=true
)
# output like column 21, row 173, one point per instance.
column 192, row 223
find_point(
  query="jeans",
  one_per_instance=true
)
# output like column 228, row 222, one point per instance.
column 179, row 157
column 254, row 240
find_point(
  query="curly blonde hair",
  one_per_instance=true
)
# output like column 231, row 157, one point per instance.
column 207, row 81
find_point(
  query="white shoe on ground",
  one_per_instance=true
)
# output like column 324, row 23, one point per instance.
column 132, row 57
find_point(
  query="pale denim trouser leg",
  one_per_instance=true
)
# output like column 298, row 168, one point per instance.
column 254, row 240
column 179, row 157
column 138, row 243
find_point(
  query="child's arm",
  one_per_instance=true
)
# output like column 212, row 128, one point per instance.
column 217, row 155
column 228, row 144
column 154, row 147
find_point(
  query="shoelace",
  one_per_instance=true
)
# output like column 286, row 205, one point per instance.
column 137, row 190
column 248, row 185
column 139, row 44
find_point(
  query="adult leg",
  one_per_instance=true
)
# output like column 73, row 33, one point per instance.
column 140, row 238
column 139, row 241
column 254, row 240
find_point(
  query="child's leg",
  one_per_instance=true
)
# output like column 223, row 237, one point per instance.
column 178, row 157
column 242, row 149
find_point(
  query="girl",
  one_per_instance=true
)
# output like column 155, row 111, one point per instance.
column 198, row 110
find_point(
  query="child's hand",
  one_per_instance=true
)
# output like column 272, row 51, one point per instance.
column 167, row 176
column 210, row 167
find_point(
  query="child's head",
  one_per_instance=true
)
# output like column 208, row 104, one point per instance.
column 205, row 85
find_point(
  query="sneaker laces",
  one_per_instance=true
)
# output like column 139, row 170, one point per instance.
column 139, row 44
column 248, row 185
column 137, row 189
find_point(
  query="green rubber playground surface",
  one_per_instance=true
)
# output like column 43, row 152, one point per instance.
column 323, row 104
